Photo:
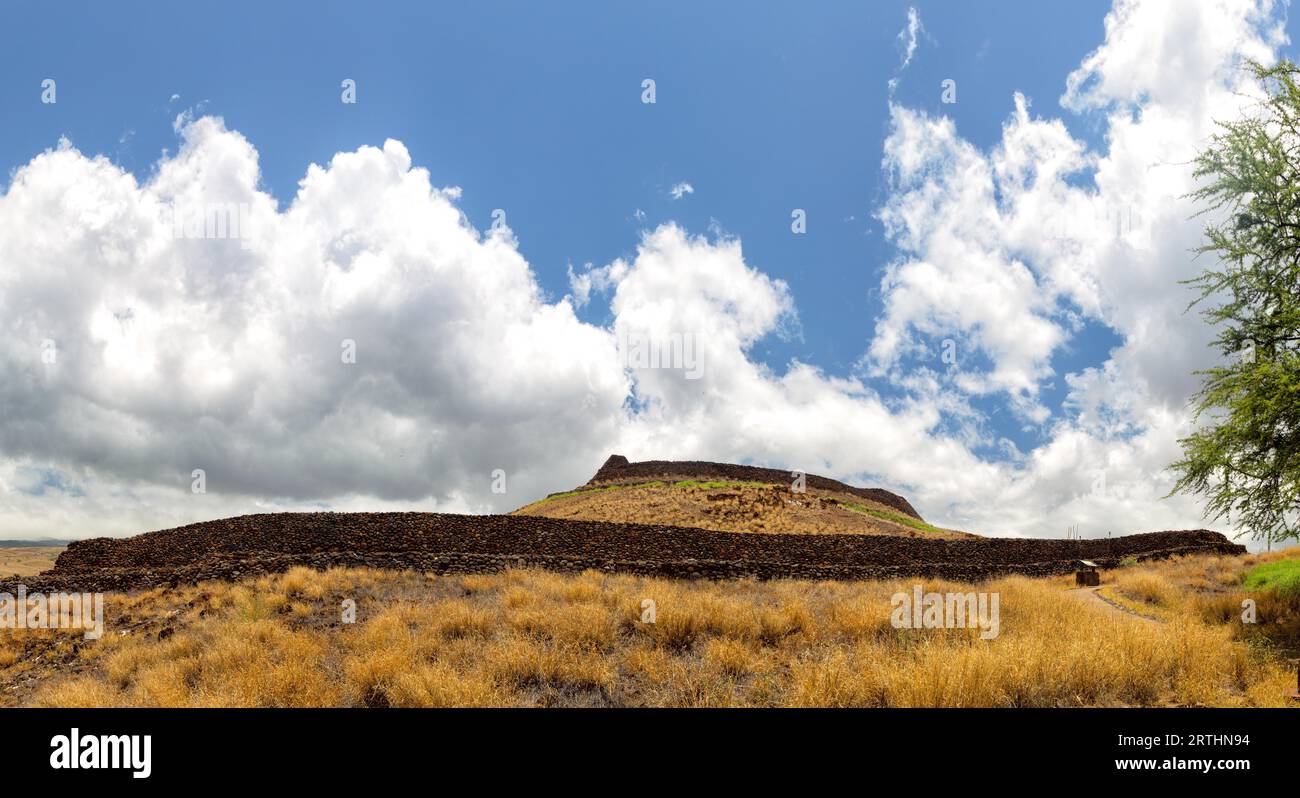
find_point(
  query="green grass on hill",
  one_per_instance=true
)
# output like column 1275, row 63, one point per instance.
column 897, row 518
column 600, row 489
column 1280, row 576
column 685, row 483
column 714, row 485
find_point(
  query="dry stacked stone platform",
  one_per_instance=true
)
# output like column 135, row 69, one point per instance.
column 233, row 548
column 618, row 469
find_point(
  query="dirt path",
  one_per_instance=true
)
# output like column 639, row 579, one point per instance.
column 1091, row 596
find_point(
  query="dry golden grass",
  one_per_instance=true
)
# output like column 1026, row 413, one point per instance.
column 27, row 560
column 534, row 638
column 736, row 507
column 1210, row 589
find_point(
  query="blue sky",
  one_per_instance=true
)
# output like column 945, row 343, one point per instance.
column 536, row 110
column 1073, row 365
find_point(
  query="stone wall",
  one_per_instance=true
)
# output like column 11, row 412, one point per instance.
column 233, row 548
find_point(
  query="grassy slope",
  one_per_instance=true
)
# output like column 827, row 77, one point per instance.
column 753, row 507
column 1280, row 576
column 543, row 639
column 896, row 517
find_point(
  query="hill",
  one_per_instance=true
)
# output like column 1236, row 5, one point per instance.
column 734, row 498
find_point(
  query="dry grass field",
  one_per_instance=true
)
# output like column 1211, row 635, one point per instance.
column 27, row 560
column 535, row 638
column 735, row 507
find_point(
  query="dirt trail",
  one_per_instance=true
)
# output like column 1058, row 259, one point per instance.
column 1091, row 596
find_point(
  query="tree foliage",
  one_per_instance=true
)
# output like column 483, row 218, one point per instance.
column 1245, row 455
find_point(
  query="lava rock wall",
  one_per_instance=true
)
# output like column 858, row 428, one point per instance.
column 234, row 548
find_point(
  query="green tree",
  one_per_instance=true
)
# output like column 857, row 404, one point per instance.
column 1245, row 456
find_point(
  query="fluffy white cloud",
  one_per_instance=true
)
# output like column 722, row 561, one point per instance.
column 177, row 352
column 227, row 353
column 959, row 276
column 1169, row 55
column 1007, row 252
